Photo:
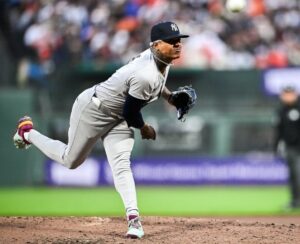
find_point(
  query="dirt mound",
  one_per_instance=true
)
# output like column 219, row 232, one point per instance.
column 157, row 229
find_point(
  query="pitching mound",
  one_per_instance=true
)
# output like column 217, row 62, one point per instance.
column 158, row 230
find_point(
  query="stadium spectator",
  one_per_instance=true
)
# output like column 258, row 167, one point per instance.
column 109, row 32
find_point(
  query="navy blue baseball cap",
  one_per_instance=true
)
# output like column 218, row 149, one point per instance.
column 288, row 88
column 166, row 31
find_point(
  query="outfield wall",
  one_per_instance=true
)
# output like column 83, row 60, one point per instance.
column 242, row 170
column 18, row 167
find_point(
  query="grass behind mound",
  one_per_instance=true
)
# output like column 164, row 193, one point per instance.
column 167, row 201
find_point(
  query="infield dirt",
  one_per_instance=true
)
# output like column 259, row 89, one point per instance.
column 166, row 230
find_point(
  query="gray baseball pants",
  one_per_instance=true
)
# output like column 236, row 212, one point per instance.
column 90, row 122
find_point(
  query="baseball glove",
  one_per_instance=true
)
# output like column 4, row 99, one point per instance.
column 183, row 99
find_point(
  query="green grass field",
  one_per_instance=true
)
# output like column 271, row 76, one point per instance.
column 166, row 201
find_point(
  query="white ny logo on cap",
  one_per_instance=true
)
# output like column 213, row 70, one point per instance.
column 174, row 27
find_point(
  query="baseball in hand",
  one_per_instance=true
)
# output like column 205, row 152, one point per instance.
column 236, row 6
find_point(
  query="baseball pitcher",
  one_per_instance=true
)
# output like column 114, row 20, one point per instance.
column 110, row 110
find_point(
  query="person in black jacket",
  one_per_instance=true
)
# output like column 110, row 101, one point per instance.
column 288, row 137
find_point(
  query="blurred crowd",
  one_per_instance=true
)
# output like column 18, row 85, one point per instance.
column 51, row 32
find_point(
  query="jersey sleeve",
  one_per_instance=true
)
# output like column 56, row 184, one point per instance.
column 140, row 87
column 132, row 112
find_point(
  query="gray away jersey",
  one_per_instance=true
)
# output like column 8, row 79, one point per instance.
column 140, row 78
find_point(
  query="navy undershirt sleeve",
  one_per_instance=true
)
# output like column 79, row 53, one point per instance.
column 132, row 111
